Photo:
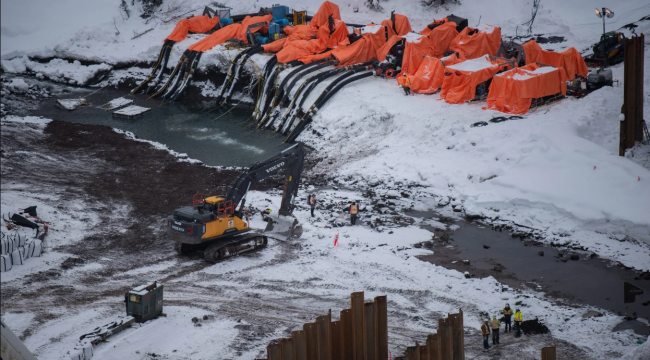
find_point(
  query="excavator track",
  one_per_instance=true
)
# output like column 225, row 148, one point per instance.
column 224, row 249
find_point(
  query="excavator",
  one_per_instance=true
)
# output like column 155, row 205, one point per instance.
column 219, row 225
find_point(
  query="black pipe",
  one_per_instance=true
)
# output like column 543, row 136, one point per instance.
column 161, row 63
column 308, row 118
column 188, row 78
column 229, row 75
column 252, row 51
column 305, row 90
column 298, row 70
column 266, row 71
column 173, row 74
column 269, row 98
column 287, row 92
column 181, row 76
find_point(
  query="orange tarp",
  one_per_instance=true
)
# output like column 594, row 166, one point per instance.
column 401, row 27
column 364, row 49
column 299, row 32
column 459, row 84
column 237, row 31
column 326, row 9
column 430, row 73
column 441, row 37
column 473, row 43
column 512, row 91
column 196, row 24
column 570, row 59
column 417, row 47
column 299, row 49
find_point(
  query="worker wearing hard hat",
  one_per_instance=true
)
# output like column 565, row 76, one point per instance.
column 485, row 330
column 406, row 85
column 495, row 324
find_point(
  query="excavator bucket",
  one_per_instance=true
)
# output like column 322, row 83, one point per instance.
column 283, row 228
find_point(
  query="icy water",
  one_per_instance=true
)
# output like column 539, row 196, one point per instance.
column 210, row 136
column 590, row 281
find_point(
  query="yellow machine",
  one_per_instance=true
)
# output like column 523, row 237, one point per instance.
column 219, row 225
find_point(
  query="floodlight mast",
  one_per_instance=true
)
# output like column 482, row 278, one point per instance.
column 603, row 13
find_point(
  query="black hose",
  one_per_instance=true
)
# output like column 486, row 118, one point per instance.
column 161, row 63
column 311, row 83
column 298, row 70
column 180, row 76
column 309, row 116
column 229, row 75
column 287, row 92
column 271, row 87
column 188, row 78
column 173, row 75
column 252, row 51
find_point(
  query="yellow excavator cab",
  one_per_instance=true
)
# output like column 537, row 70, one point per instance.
column 213, row 200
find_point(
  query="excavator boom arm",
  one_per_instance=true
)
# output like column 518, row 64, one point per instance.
column 290, row 159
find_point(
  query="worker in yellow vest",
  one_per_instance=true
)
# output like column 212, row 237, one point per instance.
column 407, row 84
column 354, row 210
column 519, row 318
column 495, row 324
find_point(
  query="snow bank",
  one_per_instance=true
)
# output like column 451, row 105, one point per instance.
column 57, row 70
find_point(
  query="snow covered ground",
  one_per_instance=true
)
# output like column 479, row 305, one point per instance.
column 556, row 172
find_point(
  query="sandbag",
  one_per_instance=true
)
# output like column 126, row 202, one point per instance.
column 17, row 256
column 5, row 263
column 19, row 237
column 35, row 248
column 6, row 244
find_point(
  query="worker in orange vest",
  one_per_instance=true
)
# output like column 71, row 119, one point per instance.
column 312, row 203
column 406, row 85
column 354, row 211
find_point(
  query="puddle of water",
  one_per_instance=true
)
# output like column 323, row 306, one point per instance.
column 591, row 282
column 204, row 135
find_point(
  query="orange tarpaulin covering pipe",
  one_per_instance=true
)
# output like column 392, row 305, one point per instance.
column 460, row 81
column 400, row 27
column 473, row 43
column 237, row 31
column 364, row 49
column 430, row 73
column 512, row 91
column 196, row 24
column 570, row 59
column 295, row 50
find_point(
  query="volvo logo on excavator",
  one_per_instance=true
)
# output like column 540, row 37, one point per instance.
column 273, row 168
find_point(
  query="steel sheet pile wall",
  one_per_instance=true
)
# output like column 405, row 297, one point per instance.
column 447, row 344
column 360, row 334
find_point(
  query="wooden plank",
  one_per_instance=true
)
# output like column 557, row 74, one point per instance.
column 286, row 345
column 311, row 336
column 369, row 318
column 299, row 345
column 356, row 299
column 381, row 327
column 347, row 346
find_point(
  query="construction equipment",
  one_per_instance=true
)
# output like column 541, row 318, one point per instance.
column 144, row 302
column 216, row 224
column 608, row 51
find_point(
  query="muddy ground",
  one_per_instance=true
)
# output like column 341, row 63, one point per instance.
column 108, row 173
